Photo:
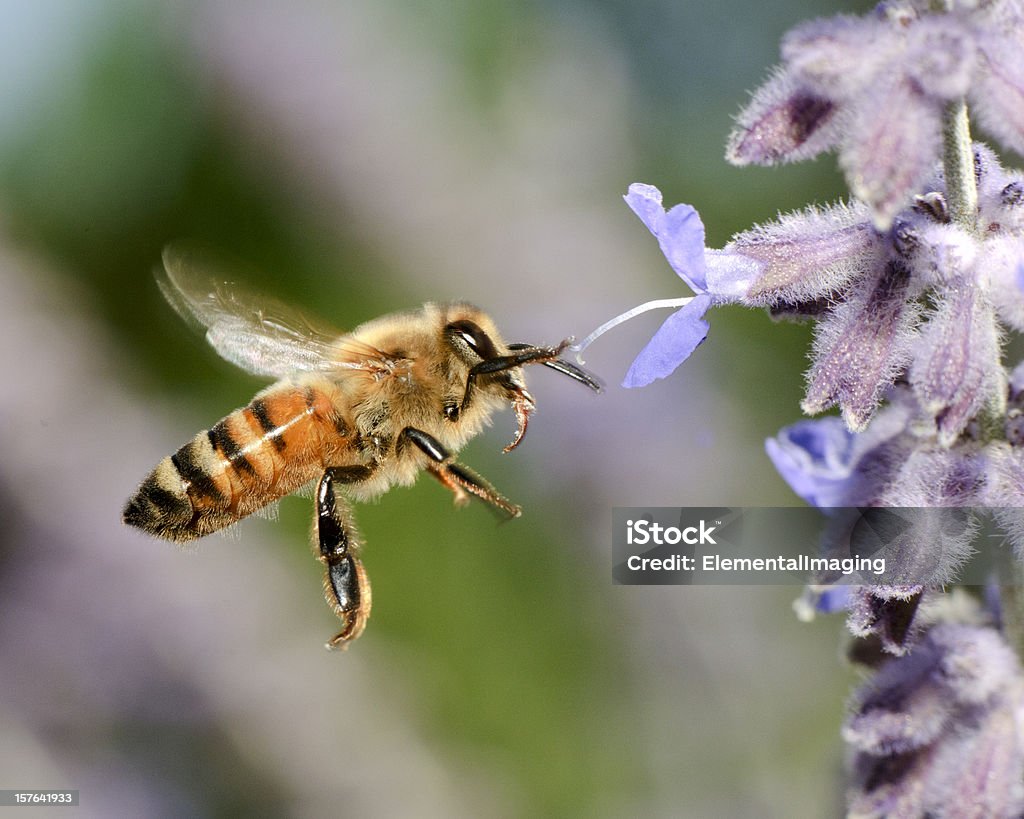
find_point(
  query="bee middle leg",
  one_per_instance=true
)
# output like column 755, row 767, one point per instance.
column 346, row 586
column 458, row 478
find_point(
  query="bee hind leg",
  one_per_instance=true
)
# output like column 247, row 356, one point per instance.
column 456, row 477
column 346, row 586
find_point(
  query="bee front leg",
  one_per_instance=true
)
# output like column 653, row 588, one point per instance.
column 346, row 586
column 521, row 356
column 458, row 478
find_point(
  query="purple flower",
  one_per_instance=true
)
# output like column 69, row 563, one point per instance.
column 886, row 613
column 715, row 277
column 817, row 460
column 862, row 345
column 865, row 287
column 875, row 88
column 940, row 727
column 824, row 462
column 916, row 302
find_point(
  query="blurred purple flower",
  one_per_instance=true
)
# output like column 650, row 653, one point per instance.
column 875, row 88
column 938, row 732
column 886, row 613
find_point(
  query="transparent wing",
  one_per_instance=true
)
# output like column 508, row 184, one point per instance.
column 260, row 335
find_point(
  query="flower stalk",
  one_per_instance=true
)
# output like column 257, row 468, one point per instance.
column 958, row 164
column 913, row 285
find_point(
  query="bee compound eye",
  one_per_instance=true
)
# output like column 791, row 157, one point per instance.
column 468, row 334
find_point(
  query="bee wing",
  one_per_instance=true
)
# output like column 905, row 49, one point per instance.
column 260, row 335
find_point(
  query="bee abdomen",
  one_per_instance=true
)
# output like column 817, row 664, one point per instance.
column 251, row 458
column 159, row 506
column 185, row 497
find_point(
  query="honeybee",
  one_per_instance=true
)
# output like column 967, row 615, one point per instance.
column 356, row 412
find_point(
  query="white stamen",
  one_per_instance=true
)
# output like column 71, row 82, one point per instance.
column 615, row 322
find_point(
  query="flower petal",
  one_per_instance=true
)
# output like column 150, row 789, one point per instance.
column 838, row 56
column 833, row 598
column 814, row 458
column 823, row 461
column 889, row 150
column 679, row 336
column 731, row 275
column 862, row 346
column 680, row 233
column 997, row 94
column 783, row 122
column 956, row 367
column 809, row 254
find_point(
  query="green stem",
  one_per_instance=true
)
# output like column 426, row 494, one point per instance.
column 958, row 163
column 962, row 204
column 1012, row 606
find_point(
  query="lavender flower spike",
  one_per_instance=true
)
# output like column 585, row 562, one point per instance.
column 876, row 87
column 939, row 732
column 716, row 277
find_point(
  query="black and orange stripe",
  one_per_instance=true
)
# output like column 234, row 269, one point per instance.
column 283, row 439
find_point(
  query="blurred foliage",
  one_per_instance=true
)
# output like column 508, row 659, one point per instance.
column 133, row 155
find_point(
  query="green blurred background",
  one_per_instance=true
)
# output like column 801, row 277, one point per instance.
column 357, row 158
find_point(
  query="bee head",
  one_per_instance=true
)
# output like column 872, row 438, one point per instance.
column 493, row 365
column 480, row 351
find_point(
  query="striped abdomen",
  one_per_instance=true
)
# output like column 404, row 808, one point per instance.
column 282, row 440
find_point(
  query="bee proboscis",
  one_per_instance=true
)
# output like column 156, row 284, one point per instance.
column 356, row 412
